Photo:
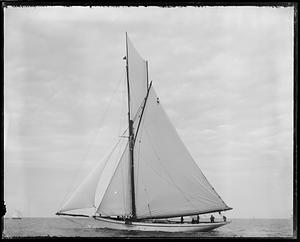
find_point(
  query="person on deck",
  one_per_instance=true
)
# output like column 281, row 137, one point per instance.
column 127, row 220
column 181, row 220
column 197, row 221
column 212, row 219
column 224, row 218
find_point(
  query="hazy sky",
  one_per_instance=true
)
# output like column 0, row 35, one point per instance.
column 223, row 74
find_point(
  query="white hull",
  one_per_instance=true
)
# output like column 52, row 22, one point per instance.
column 163, row 227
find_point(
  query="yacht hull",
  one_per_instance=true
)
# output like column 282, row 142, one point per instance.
column 163, row 227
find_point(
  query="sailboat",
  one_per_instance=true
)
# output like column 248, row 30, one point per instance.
column 17, row 214
column 154, row 179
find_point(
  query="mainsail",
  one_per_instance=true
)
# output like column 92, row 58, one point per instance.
column 155, row 176
column 168, row 181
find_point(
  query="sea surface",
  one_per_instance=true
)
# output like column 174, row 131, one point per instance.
column 82, row 227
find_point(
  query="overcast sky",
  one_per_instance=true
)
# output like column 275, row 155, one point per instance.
column 223, row 74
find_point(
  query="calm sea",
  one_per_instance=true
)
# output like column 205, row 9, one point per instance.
column 82, row 227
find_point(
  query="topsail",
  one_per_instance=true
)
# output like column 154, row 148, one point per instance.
column 138, row 83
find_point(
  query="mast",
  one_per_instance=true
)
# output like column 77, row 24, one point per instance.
column 130, row 140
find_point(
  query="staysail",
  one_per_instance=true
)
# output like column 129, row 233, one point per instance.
column 85, row 195
column 116, row 200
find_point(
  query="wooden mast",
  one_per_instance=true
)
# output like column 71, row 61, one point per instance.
column 131, row 141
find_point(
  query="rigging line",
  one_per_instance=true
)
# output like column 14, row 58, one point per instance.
column 122, row 135
column 104, row 115
column 139, row 109
column 121, row 146
column 100, row 121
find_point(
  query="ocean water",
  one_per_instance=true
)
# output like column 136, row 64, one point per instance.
column 82, row 227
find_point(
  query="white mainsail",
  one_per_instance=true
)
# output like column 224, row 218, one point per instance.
column 168, row 182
